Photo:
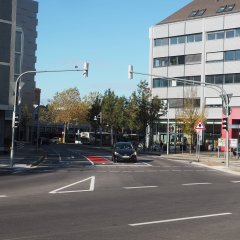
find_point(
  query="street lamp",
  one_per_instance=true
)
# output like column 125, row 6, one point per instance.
column 223, row 94
column 85, row 73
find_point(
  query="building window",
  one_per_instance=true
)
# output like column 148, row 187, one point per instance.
column 229, row 8
column 211, row 36
column 200, row 12
column 230, row 34
column 177, row 40
column 161, row 42
column 197, row 13
column 193, row 58
column 220, row 35
column 237, row 78
column 221, row 9
column 160, row 62
column 228, row 78
column 219, row 79
column 193, row 14
column 229, row 56
column 160, row 83
column 210, row 79
column 173, row 40
column 176, row 60
column 194, row 38
column 198, row 37
column 223, row 79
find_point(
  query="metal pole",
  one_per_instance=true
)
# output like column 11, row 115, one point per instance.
column 85, row 70
column 167, row 127
column 38, row 128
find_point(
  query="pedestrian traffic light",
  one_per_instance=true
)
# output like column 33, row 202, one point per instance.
column 225, row 123
column 16, row 122
column 85, row 68
column 130, row 72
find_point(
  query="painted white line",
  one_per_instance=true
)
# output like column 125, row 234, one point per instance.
column 179, row 219
column 147, row 164
column 91, row 188
column 235, row 181
column 89, row 160
column 192, row 184
column 140, row 187
column 3, row 196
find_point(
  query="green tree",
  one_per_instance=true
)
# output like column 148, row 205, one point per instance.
column 67, row 107
column 148, row 110
column 188, row 117
column 108, row 110
column 24, row 121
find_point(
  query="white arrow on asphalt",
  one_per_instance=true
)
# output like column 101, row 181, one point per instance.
column 91, row 187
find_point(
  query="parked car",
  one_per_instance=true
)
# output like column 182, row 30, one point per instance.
column 124, row 151
column 235, row 151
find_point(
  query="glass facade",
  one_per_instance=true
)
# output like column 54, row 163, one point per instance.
column 6, row 10
column 5, row 42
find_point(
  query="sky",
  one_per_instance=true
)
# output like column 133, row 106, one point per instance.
column 109, row 34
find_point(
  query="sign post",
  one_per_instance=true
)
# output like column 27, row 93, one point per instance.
column 199, row 128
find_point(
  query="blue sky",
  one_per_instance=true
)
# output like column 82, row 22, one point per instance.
column 109, row 34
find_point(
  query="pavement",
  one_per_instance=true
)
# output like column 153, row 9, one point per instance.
column 26, row 156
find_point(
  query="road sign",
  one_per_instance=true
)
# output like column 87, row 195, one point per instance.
column 234, row 126
column 233, row 143
column 221, row 142
column 200, row 126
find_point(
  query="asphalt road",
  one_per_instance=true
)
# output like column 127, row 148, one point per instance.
column 79, row 194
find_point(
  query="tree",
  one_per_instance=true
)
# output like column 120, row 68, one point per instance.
column 67, row 107
column 108, row 108
column 95, row 106
column 188, row 117
column 25, row 118
column 147, row 110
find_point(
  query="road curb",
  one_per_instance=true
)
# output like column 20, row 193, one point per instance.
column 218, row 168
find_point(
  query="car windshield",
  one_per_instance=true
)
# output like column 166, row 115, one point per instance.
column 124, row 146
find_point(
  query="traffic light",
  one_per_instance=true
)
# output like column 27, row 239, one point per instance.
column 130, row 72
column 16, row 122
column 225, row 123
column 85, row 68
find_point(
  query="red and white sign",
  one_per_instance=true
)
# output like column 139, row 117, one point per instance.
column 200, row 126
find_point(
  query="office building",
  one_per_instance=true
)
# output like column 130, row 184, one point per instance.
column 200, row 42
column 18, row 21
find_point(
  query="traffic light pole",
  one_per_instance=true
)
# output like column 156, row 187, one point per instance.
column 217, row 88
column 85, row 70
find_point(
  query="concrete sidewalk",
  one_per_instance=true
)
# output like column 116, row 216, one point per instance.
column 207, row 159
column 25, row 156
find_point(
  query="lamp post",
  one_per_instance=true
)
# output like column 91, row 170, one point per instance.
column 223, row 94
column 85, row 73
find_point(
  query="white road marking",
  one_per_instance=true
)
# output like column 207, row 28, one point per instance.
column 89, row 160
column 192, row 184
column 91, row 188
column 147, row 164
column 179, row 219
column 140, row 187
column 3, row 196
column 235, row 181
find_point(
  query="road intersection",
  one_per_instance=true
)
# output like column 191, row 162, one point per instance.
column 68, row 197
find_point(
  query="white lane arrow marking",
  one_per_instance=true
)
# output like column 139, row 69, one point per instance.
column 91, row 188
